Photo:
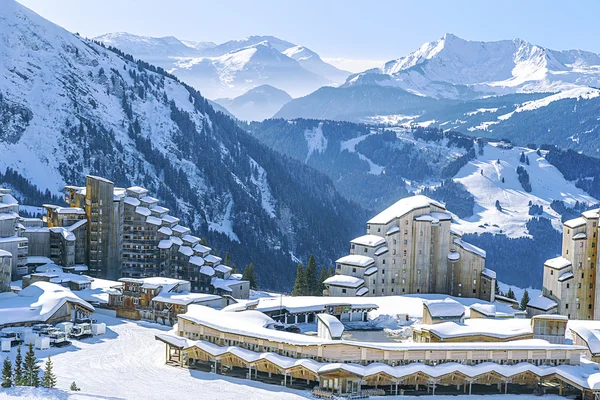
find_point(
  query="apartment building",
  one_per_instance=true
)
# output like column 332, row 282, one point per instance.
column 570, row 280
column 411, row 247
column 11, row 233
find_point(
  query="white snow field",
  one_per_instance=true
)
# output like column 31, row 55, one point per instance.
column 547, row 184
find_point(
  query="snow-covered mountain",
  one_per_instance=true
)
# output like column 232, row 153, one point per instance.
column 234, row 67
column 256, row 104
column 452, row 67
column 70, row 107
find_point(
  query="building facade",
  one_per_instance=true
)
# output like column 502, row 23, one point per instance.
column 571, row 280
column 11, row 233
column 411, row 247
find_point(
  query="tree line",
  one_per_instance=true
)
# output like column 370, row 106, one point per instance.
column 308, row 281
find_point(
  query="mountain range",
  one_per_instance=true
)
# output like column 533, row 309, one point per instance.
column 72, row 107
column 256, row 104
column 229, row 69
column 505, row 89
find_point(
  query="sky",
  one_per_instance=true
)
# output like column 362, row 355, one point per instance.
column 349, row 31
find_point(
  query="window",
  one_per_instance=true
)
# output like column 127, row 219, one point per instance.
column 394, row 252
column 366, row 250
column 393, row 280
column 353, row 247
column 421, row 233
column 383, row 262
column 580, row 244
column 551, row 272
column 394, row 261
column 567, row 306
column 373, row 281
column 405, row 222
column 405, row 252
column 383, row 272
column 343, row 290
column 405, row 241
column 578, row 306
column 353, row 269
column 404, row 261
column 474, row 291
column 383, row 281
column 378, row 229
column 568, row 285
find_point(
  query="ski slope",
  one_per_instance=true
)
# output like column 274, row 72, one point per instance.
column 547, row 184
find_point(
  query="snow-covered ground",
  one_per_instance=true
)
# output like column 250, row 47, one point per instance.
column 546, row 181
column 128, row 363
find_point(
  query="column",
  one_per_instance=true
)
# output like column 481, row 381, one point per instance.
column 249, row 372
column 284, row 379
column 215, row 366
column 470, row 384
column 296, row 319
column 433, row 388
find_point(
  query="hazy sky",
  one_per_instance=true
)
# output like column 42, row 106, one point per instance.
column 367, row 30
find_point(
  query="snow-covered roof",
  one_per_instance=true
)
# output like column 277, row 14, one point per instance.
column 225, row 284
column 434, row 217
column 68, row 210
column 149, row 199
column 565, row 276
column 153, row 220
column 558, row 263
column 180, row 229
column 469, row 247
column 370, row 271
column 444, row 308
column 202, row 249
column 206, row 270
column 595, row 213
column 485, row 309
column 368, row 240
column 143, row 211
column 165, row 244
column 190, row 239
column 580, row 235
column 490, row 273
column 575, row 222
column 77, row 224
column 299, row 304
column 496, row 328
column 542, row 303
column 132, row 201
column 334, row 325
column 186, row 250
column 39, row 260
column 381, row 250
column 37, row 303
column 393, row 230
column 403, row 207
column 170, row 219
column 167, row 284
column 356, row 260
column 223, row 269
column 176, row 240
column 4, row 253
column 212, row 259
column 184, row 298
column 165, row 231
column 137, row 190
column 590, row 336
column 197, row 260
column 362, row 291
column 159, row 210
column 344, row 280
column 65, row 233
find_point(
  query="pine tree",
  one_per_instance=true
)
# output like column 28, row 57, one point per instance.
column 312, row 283
column 31, row 371
column 330, row 272
column 527, row 160
column 300, row 284
column 522, row 158
column 203, row 242
column 524, row 300
column 7, row 373
column 511, row 294
column 227, row 259
column 250, row 275
column 322, row 279
column 49, row 379
column 18, row 380
column 498, row 206
column 497, row 289
column 74, row 387
column 234, row 269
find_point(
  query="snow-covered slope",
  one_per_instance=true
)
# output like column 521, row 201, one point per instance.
column 234, row 67
column 256, row 104
column 483, row 178
column 455, row 68
column 71, row 107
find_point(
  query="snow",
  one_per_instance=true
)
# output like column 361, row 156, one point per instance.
column 489, row 273
column 260, row 180
column 575, row 222
column 558, row 263
column 315, row 140
column 336, row 328
column 36, row 303
column 184, row 298
column 129, row 349
column 370, row 271
column 154, row 221
column 565, row 276
column 132, row 201
column 453, row 256
column 403, row 207
column 498, row 328
column 469, row 247
column 350, row 146
column 225, row 225
column 344, row 280
column 542, row 303
column 142, row 211
column 369, row 240
column 547, row 183
column 445, row 308
column 356, row 259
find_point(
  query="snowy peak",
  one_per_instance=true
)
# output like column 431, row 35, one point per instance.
column 451, row 67
column 256, row 104
column 230, row 69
